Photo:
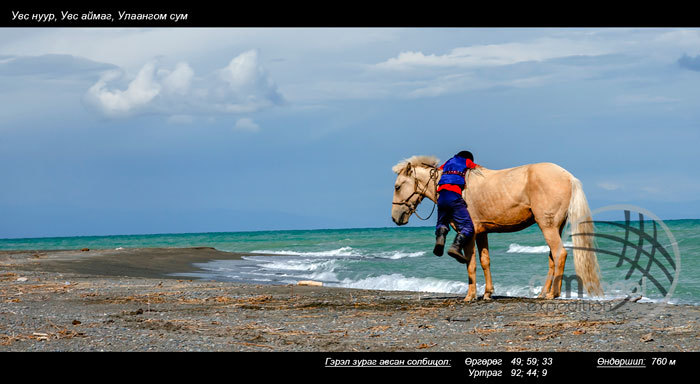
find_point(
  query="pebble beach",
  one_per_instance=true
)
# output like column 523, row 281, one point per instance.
column 129, row 300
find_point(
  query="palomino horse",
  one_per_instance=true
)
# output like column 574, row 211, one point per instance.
column 509, row 200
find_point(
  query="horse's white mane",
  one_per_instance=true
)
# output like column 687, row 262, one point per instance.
column 415, row 161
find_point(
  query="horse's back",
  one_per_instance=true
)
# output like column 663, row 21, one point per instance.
column 550, row 169
column 549, row 177
column 515, row 196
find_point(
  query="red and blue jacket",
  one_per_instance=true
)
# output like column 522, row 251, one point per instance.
column 453, row 173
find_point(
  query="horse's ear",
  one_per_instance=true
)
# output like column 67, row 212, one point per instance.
column 408, row 166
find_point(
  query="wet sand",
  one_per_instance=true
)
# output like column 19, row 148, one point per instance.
column 133, row 262
column 126, row 300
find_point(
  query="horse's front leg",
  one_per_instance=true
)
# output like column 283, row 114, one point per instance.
column 470, row 254
column 483, row 243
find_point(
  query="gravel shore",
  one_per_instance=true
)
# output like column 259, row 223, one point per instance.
column 124, row 300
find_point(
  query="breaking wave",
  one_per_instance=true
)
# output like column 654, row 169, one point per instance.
column 517, row 248
column 340, row 252
column 343, row 252
column 398, row 282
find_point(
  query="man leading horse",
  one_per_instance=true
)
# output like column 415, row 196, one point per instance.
column 503, row 200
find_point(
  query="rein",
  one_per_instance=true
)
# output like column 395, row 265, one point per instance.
column 412, row 208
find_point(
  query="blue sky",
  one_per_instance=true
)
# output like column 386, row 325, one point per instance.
column 125, row 131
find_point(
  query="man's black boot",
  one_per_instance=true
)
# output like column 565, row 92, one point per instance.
column 440, row 235
column 456, row 248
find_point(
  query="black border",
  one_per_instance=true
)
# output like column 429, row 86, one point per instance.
column 311, row 366
column 356, row 14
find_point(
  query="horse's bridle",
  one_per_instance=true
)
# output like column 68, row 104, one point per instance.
column 412, row 207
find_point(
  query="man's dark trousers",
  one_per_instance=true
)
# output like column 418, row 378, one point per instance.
column 452, row 207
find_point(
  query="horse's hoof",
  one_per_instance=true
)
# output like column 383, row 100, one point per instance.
column 487, row 297
column 470, row 298
column 551, row 296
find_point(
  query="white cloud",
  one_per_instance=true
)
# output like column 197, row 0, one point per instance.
column 246, row 124
column 243, row 71
column 130, row 47
column 465, row 82
column 140, row 92
column 197, row 70
column 52, row 66
column 681, row 38
column 495, row 54
column 178, row 81
column 243, row 86
column 530, row 63
column 249, row 85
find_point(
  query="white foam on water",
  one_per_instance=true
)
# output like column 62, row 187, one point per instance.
column 325, row 276
column 517, row 248
column 303, row 269
column 510, row 291
column 340, row 252
column 396, row 255
column 399, row 282
column 299, row 265
column 343, row 252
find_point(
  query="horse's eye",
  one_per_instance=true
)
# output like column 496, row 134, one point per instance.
column 397, row 187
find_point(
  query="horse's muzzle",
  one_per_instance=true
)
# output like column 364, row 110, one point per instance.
column 400, row 221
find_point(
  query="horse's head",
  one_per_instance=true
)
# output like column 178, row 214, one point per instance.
column 413, row 183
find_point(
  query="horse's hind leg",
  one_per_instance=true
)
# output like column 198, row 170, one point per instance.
column 482, row 242
column 557, row 261
column 548, row 282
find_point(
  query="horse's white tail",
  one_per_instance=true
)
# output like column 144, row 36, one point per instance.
column 580, row 220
